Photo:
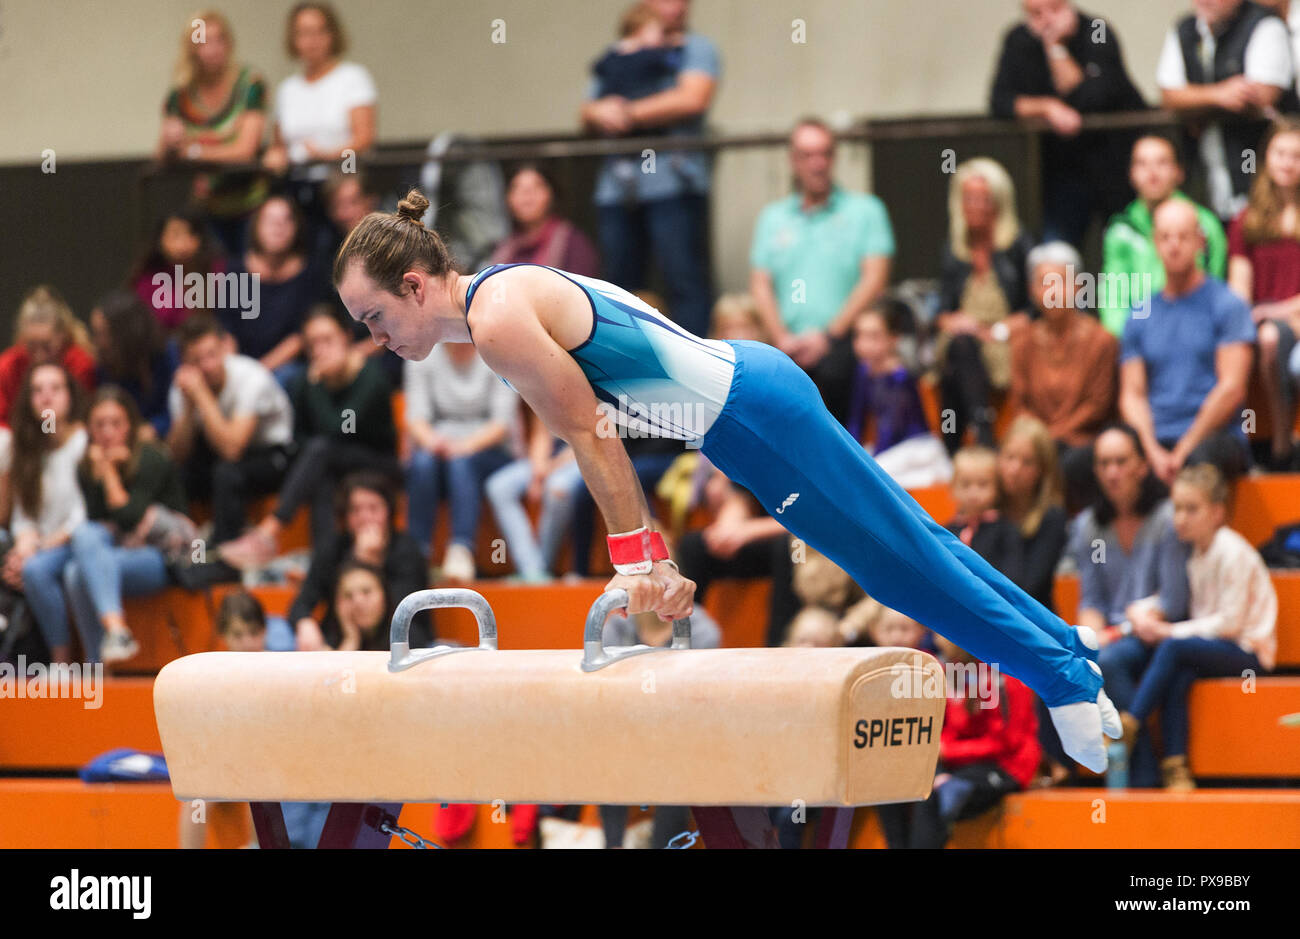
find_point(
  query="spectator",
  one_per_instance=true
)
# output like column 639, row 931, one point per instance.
column 365, row 515
column 215, row 113
column 819, row 257
column 662, row 206
column 343, row 422
column 1131, row 268
column 976, row 491
column 46, row 332
column 981, row 291
column 180, row 246
column 1183, row 367
column 350, row 197
column 639, row 63
column 1264, row 270
column 740, row 541
column 135, row 525
column 1058, row 65
column 133, row 355
column 49, row 440
column 1290, row 14
column 323, row 114
column 540, row 235
column 548, row 474
column 1233, row 57
column 288, row 285
column 1030, row 483
column 1233, row 621
column 1125, row 549
column 245, row 627
column 1064, row 366
column 886, row 404
column 985, row 753
column 460, row 419
column 232, row 425
column 736, row 316
column 359, row 614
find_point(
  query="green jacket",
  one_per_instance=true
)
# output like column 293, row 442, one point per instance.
column 1129, row 253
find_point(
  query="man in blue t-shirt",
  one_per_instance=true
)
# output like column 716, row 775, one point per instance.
column 1185, row 358
column 657, row 203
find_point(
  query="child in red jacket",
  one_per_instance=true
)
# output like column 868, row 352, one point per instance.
column 988, row 748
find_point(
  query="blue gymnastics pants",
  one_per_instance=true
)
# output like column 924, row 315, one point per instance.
column 776, row 438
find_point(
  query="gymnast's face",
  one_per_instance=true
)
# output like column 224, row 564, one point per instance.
column 405, row 322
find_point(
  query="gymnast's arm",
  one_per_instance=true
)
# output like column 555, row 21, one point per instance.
column 514, row 343
column 518, row 348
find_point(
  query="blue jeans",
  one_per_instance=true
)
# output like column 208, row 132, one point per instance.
column 1123, row 663
column 776, row 438
column 99, row 573
column 429, row 477
column 43, row 588
column 1175, row 665
column 532, row 555
column 673, row 230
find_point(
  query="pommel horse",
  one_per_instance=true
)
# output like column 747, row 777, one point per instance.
column 728, row 732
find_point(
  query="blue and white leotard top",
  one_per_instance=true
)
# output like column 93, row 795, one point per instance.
column 658, row 379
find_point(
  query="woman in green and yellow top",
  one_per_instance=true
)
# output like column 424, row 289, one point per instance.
column 215, row 113
column 1128, row 249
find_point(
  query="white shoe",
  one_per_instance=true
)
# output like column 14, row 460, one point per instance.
column 458, row 564
column 118, row 647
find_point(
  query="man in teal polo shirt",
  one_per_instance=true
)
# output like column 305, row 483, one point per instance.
column 819, row 257
column 1131, row 268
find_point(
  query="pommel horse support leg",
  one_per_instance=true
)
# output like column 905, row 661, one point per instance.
column 729, row 732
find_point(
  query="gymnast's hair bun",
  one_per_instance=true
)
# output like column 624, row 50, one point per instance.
column 413, row 206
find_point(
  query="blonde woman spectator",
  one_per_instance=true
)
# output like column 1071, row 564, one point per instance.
column 216, row 113
column 1264, row 270
column 46, row 332
column 982, row 291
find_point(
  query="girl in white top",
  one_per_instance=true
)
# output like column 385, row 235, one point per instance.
column 329, row 106
column 1232, row 629
column 49, row 440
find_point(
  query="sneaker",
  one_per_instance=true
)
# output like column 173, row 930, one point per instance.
column 458, row 564
column 118, row 647
column 1177, row 775
column 250, row 550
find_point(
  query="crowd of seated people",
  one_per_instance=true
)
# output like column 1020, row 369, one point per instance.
column 1061, row 415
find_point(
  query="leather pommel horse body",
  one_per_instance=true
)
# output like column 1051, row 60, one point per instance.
column 729, row 732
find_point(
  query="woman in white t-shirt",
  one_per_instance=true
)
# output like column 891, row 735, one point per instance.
column 49, row 440
column 329, row 106
column 321, row 114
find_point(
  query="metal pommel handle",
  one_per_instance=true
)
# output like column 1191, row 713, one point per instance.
column 399, row 637
column 594, row 653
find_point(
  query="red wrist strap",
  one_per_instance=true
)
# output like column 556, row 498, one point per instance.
column 630, row 551
column 635, row 552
